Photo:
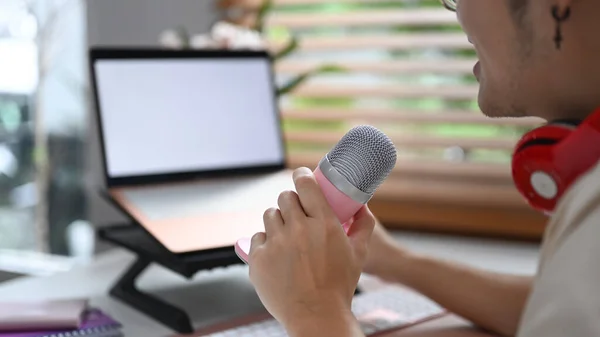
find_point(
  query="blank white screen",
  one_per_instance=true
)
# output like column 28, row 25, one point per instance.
column 180, row 115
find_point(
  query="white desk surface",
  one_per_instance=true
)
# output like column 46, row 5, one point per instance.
column 217, row 295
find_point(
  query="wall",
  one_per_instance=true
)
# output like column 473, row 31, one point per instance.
column 139, row 22
column 133, row 23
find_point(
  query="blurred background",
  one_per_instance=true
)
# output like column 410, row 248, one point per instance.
column 403, row 66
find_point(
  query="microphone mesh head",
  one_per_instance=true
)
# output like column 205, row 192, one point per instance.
column 365, row 156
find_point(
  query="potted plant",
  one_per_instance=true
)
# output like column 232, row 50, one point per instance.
column 227, row 35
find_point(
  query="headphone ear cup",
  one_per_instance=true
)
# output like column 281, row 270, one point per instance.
column 534, row 169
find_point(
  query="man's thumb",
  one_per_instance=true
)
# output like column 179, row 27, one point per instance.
column 361, row 229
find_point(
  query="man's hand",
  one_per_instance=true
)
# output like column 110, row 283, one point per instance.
column 456, row 287
column 304, row 267
column 384, row 255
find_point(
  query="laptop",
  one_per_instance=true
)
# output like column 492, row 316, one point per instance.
column 191, row 142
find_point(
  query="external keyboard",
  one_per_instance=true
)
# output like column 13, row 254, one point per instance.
column 377, row 311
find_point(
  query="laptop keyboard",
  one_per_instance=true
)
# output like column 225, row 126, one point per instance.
column 376, row 312
column 209, row 196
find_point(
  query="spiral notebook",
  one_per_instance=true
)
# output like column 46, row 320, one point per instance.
column 94, row 323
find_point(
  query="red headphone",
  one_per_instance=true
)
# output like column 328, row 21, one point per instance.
column 548, row 159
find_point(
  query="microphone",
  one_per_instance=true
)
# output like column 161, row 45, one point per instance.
column 349, row 174
column 355, row 167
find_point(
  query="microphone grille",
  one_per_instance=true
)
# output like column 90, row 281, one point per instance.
column 365, row 156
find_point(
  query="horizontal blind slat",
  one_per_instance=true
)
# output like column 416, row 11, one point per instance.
column 404, row 116
column 449, row 66
column 379, row 41
column 403, row 140
column 386, row 91
column 253, row 4
column 461, row 193
column 405, row 17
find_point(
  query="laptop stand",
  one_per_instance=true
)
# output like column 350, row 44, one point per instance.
column 148, row 251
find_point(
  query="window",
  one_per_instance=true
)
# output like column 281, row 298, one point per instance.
column 406, row 68
column 17, row 83
column 29, row 220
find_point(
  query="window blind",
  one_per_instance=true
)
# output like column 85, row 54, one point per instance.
column 404, row 67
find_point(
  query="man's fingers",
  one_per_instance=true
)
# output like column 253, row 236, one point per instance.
column 290, row 207
column 256, row 242
column 361, row 230
column 311, row 196
column 273, row 221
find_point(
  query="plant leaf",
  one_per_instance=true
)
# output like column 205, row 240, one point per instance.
column 290, row 48
column 294, row 83
column 262, row 14
column 184, row 35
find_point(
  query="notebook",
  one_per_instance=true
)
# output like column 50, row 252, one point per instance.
column 95, row 323
column 191, row 142
column 28, row 315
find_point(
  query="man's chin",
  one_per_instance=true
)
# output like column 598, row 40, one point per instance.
column 489, row 107
column 498, row 109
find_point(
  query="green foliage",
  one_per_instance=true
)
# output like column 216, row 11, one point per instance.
column 294, row 83
column 289, row 49
column 341, row 7
column 313, row 125
column 183, row 35
column 40, row 155
column 462, row 105
column 323, row 102
column 262, row 15
column 466, row 130
column 10, row 116
column 278, row 33
column 490, row 156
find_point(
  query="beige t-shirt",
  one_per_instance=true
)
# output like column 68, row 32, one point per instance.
column 565, row 300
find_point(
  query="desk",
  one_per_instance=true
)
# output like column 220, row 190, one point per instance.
column 214, row 296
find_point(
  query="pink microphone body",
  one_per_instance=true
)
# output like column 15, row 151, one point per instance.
column 342, row 205
column 344, row 199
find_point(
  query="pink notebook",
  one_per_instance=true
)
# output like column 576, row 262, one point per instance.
column 94, row 323
column 28, row 315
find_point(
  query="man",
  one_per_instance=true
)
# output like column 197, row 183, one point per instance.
column 537, row 58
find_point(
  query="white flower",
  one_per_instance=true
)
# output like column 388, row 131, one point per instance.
column 225, row 31
column 236, row 37
column 203, row 42
column 171, row 39
column 223, row 35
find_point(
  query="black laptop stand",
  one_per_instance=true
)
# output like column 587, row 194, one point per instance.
column 148, row 251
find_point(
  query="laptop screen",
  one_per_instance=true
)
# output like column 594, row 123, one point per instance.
column 169, row 112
